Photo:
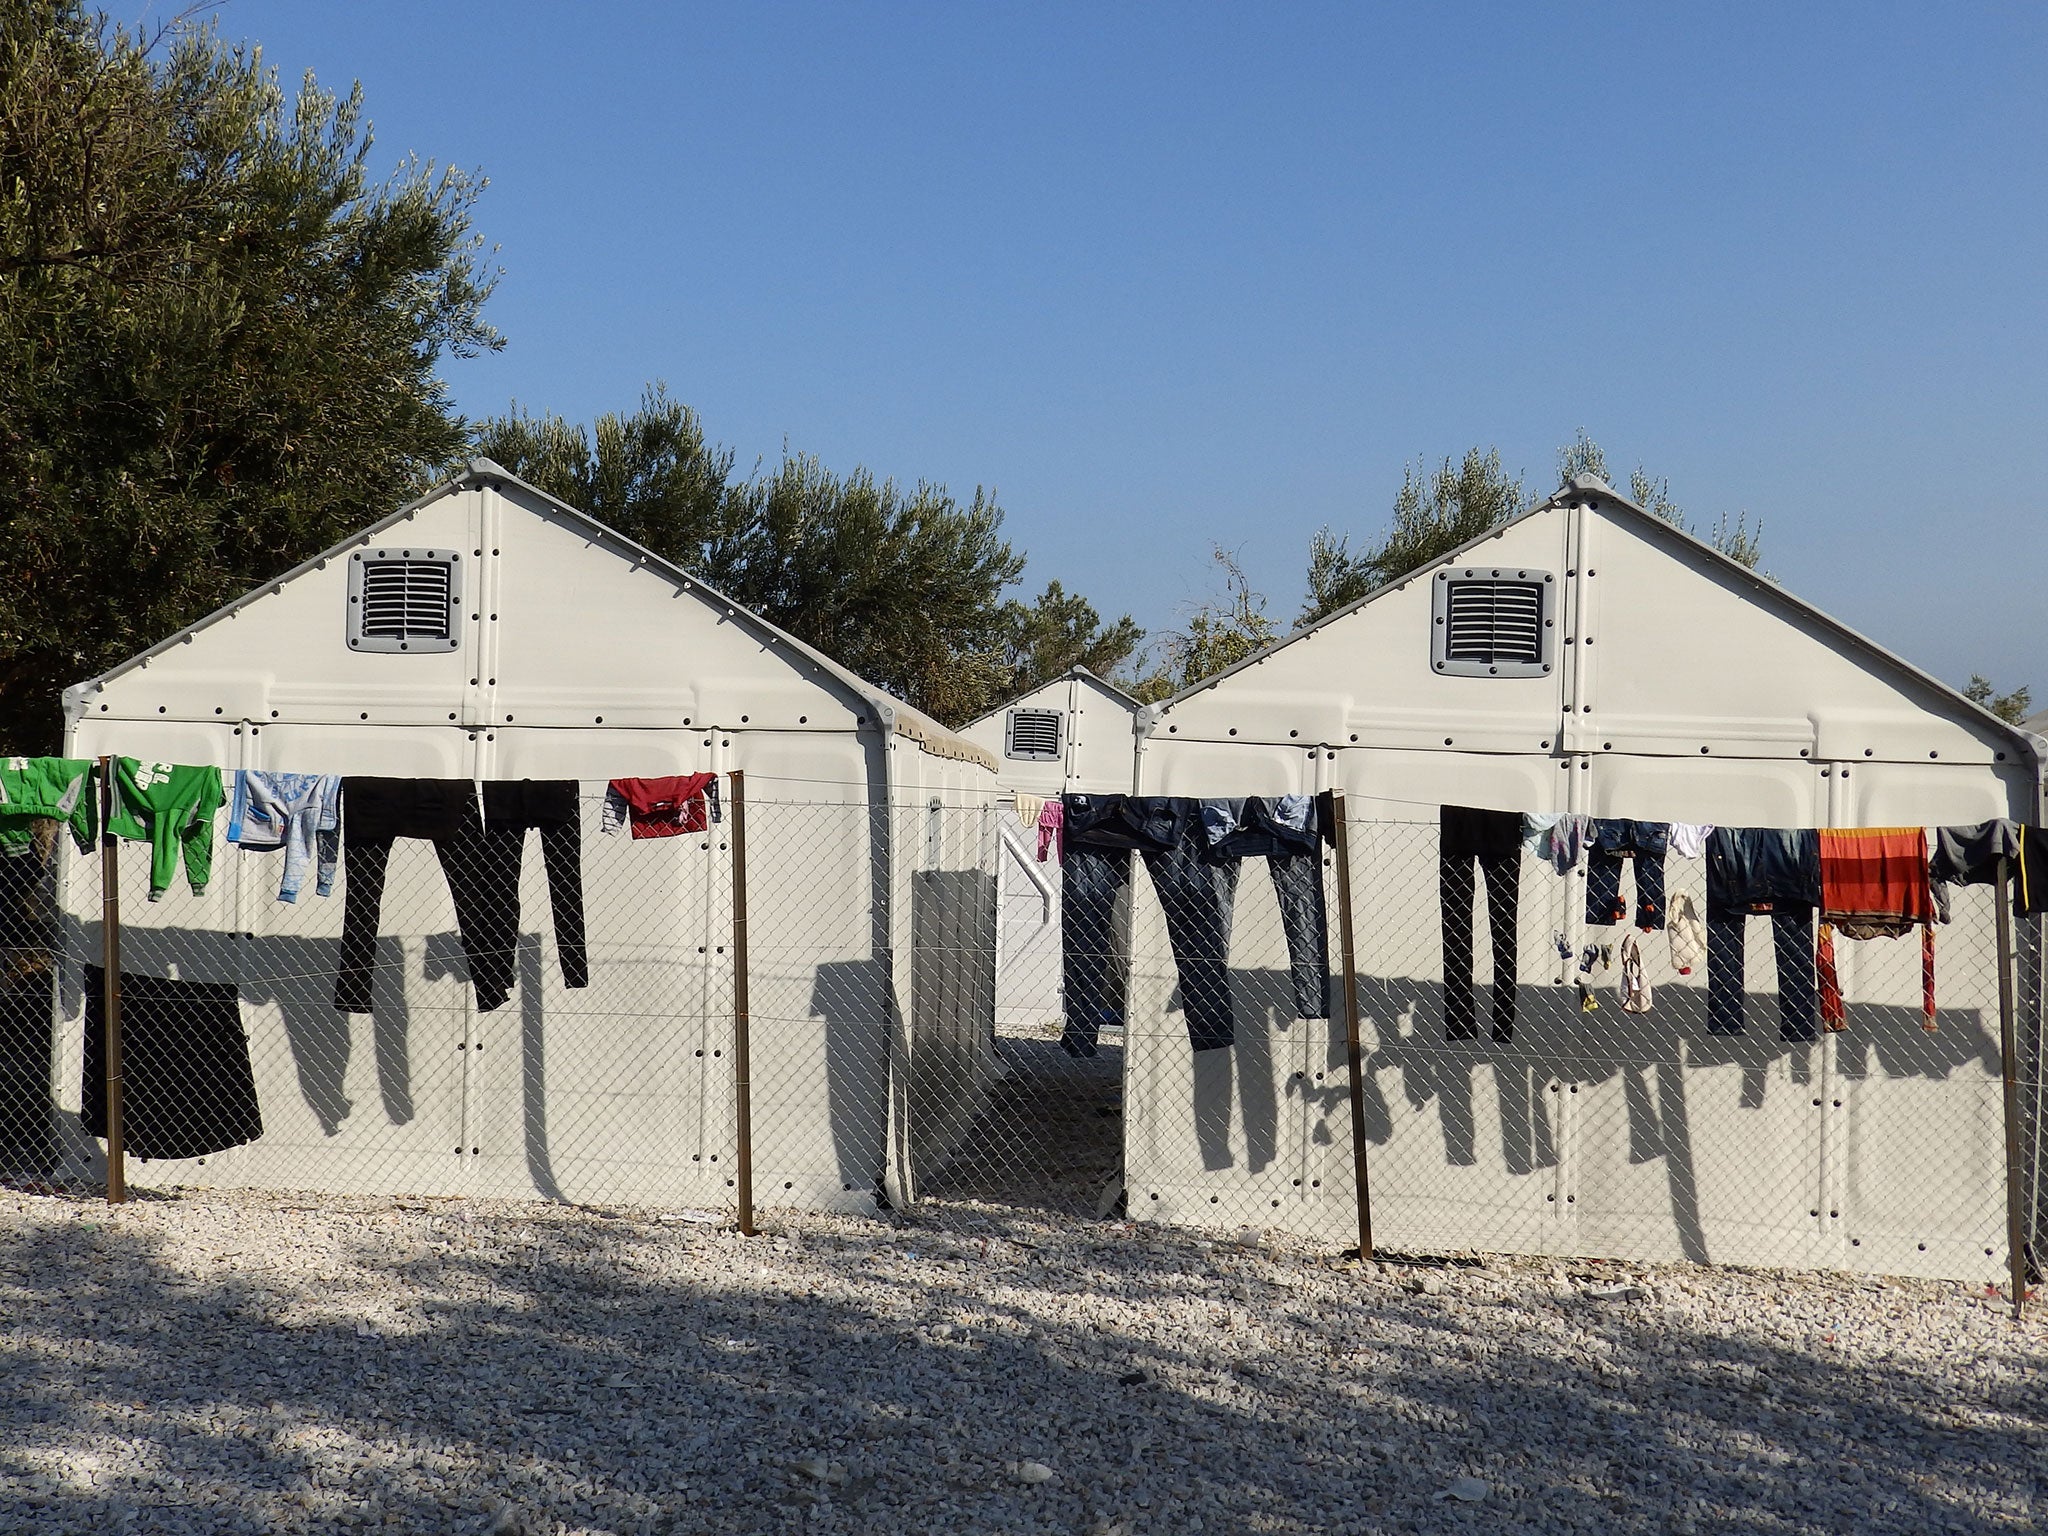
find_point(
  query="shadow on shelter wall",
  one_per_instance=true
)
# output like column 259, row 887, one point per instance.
column 1553, row 1042
column 952, row 1009
column 28, row 968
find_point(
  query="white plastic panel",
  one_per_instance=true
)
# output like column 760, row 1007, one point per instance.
column 287, row 650
column 1681, row 652
column 1724, row 792
column 639, row 650
column 1095, row 740
column 1366, row 678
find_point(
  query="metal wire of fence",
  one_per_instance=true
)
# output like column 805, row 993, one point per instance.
column 937, row 1017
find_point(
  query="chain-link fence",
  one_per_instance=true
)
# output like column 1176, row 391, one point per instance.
column 938, row 1013
column 1535, row 1079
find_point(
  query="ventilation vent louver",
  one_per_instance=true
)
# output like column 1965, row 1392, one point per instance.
column 403, row 600
column 1033, row 735
column 1492, row 623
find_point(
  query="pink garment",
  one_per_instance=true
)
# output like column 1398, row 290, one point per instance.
column 1052, row 831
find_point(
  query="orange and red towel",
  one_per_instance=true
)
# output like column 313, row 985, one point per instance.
column 1874, row 884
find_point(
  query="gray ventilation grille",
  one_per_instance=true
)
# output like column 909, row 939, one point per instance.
column 1492, row 623
column 1033, row 735
column 404, row 599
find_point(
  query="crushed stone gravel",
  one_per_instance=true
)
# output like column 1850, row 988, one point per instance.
column 240, row 1362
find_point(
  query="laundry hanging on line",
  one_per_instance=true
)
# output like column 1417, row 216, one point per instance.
column 170, row 806
column 297, row 812
column 669, row 807
column 1874, row 884
column 34, row 789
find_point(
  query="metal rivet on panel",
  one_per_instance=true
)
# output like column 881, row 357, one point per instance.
column 1934, row 754
column 1233, row 730
column 1704, row 751
column 1447, row 741
column 803, row 719
column 1354, row 735
column 160, row 709
column 597, row 720
column 1292, row 734
column 365, row 715
column 1869, row 752
column 743, row 719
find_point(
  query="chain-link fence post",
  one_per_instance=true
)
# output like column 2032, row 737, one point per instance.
column 1354, row 1055
column 110, row 962
column 2008, row 1050
column 742, row 1043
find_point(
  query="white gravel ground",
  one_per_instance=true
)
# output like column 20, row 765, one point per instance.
column 220, row 1363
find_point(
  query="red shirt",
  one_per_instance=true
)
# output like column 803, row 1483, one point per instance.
column 665, row 807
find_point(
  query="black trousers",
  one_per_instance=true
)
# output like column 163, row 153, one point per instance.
column 1459, row 892
column 1492, row 840
column 187, row 1088
column 480, row 858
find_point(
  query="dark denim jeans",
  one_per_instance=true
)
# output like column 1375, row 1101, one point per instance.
column 1284, row 832
column 1792, row 949
column 1195, row 897
column 1610, row 845
column 1762, row 871
column 1089, row 882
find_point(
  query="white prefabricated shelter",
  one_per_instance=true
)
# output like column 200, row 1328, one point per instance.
column 537, row 644
column 1621, row 669
column 1069, row 736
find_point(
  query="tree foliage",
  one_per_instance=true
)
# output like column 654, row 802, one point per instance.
column 218, row 336
column 1735, row 539
column 1058, row 631
column 1221, row 631
column 903, row 585
column 2011, row 707
column 1435, row 512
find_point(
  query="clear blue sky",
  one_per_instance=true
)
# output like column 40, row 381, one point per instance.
column 1168, row 276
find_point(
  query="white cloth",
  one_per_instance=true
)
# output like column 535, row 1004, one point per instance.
column 1688, row 840
column 1688, row 936
column 1635, row 992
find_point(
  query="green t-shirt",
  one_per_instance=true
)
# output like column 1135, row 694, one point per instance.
column 39, row 788
column 171, row 808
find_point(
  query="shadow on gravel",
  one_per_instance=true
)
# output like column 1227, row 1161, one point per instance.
column 541, row 1361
